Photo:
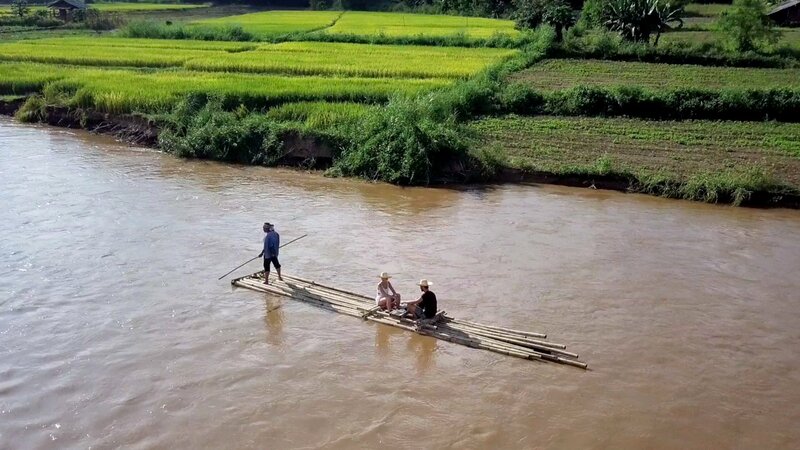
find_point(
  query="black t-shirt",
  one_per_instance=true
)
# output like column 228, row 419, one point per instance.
column 428, row 304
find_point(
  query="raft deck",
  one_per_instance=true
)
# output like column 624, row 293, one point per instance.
column 520, row 344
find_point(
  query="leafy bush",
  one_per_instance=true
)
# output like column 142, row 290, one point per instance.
column 200, row 127
column 747, row 26
column 402, row 143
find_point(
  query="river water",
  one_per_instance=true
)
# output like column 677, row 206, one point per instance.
column 114, row 330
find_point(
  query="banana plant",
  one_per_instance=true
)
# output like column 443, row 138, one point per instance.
column 637, row 20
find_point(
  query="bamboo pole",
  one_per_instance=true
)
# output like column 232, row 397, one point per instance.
column 457, row 323
column 555, row 348
column 507, row 330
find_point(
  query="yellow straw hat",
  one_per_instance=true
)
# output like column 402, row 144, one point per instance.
column 384, row 276
column 425, row 283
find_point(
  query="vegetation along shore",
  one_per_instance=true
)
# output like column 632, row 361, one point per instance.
column 700, row 102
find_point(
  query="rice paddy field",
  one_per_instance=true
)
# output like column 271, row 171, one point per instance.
column 291, row 58
column 360, row 23
column 677, row 150
column 122, row 75
column 124, row 91
column 270, row 23
column 401, row 24
column 557, row 74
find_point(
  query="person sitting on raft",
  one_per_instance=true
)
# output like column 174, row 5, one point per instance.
column 425, row 306
column 387, row 298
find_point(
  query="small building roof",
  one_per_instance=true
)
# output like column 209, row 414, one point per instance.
column 780, row 7
column 68, row 4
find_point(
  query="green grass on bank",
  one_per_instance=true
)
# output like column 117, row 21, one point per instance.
column 558, row 74
column 694, row 159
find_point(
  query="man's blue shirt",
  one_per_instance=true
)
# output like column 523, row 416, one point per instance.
column 272, row 242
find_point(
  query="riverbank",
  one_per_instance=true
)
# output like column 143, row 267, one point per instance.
column 533, row 157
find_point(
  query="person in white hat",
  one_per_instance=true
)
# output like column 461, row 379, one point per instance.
column 387, row 298
column 425, row 306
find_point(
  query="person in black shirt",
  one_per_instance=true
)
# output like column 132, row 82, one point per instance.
column 425, row 306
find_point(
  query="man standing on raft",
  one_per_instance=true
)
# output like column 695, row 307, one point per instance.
column 272, row 243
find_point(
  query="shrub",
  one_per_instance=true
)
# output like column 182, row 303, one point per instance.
column 402, row 143
column 200, row 127
column 747, row 27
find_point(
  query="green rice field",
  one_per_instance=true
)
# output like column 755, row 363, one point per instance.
column 679, row 150
column 277, row 22
column 401, row 24
column 123, row 91
column 365, row 24
column 291, row 58
column 560, row 74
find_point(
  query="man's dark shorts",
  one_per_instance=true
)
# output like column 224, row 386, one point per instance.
column 274, row 261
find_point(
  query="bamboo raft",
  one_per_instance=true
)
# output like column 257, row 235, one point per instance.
column 520, row 344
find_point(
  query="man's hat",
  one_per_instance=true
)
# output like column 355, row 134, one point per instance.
column 384, row 276
column 425, row 283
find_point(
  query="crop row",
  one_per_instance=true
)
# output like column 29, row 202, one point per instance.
column 680, row 149
column 365, row 24
column 291, row 58
column 560, row 74
column 122, row 91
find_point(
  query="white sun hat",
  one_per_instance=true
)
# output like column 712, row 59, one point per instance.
column 384, row 276
column 425, row 283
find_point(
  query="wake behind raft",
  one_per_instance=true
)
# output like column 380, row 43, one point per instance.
column 520, row 344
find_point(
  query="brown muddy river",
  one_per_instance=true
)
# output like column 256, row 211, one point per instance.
column 114, row 330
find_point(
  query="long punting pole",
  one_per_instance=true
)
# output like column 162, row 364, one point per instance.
column 521, row 344
column 251, row 260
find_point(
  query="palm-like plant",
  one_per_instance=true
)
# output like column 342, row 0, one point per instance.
column 637, row 20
